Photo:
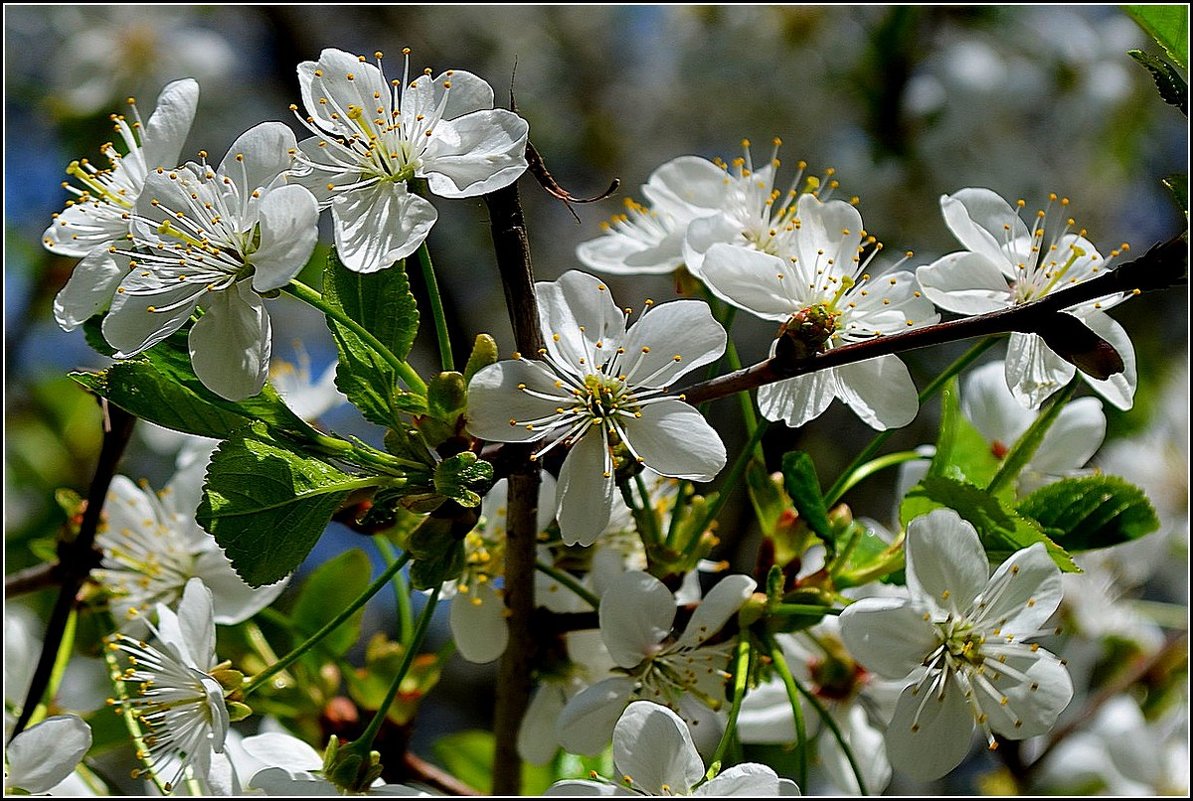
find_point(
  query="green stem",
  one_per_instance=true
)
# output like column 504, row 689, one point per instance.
column 313, row 298
column 733, row 477
column 401, row 589
column 845, row 480
column 797, row 712
column 875, row 465
column 264, row 676
column 365, row 742
column 648, row 524
column 1025, row 447
column 741, row 674
column 441, row 334
column 785, row 610
column 569, row 581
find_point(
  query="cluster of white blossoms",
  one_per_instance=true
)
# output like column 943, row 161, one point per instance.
column 161, row 242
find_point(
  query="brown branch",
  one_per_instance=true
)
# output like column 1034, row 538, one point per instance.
column 435, row 777
column 514, row 679
column 31, row 579
column 77, row 557
column 538, row 168
column 1160, row 268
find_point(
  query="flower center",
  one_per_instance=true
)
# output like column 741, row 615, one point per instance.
column 809, row 330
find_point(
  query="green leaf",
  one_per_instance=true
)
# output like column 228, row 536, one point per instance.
column 368, row 685
column 769, row 500
column 93, row 333
column 1168, row 25
column 160, row 386
column 484, row 353
column 961, row 450
column 383, row 305
column 464, row 478
column 468, row 755
column 1091, row 512
column 799, row 478
column 332, row 586
column 1001, row 530
column 1169, row 83
column 267, row 504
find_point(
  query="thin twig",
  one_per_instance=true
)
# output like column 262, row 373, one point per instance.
column 514, row 682
column 31, row 579
column 77, row 557
column 435, row 777
column 538, row 169
column 1160, row 268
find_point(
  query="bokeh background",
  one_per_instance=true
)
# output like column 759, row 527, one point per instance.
column 905, row 103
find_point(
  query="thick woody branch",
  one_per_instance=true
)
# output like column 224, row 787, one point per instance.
column 1161, row 267
column 514, row 681
column 77, row 557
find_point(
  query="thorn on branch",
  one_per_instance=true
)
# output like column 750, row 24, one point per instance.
column 538, row 169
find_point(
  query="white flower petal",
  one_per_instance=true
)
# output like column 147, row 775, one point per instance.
column 476, row 153
column 931, row 731
column 880, row 391
column 587, row 722
column 44, row 755
column 965, row 283
column 84, row 227
column 757, row 282
column 583, row 787
column 675, row 440
column 722, row 603
column 946, row 563
column 1032, row 704
column 328, row 78
column 866, row 743
column 377, row 225
column 90, row 287
column 167, row 128
column 1073, row 439
column 798, row 400
column 536, row 735
column 671, row 340
column 1034, row 371
column 977, row 218
column 494, row 400
column 636, row 614
column 584, row 497
column 196, row 629
column 619, row 253
column 988, row 404
column 479, row 629
column 686, row 188
column 703, row 233
column 131, row 327
column 1026, row 590
column 257, row 160
column 888, row 636
column 230, row 343
column 234, row 601
column 1119, row 389
column 576, row 312
column 652, row 745
column 289, row 217
column 749, row 779
column 280, row 750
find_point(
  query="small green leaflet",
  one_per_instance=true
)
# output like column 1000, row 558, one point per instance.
column 1169, row 83
column 1091, row 512
column 961, row 450
column 333, row 586
column 1168, row 25
column 383, row 305
column 801, row 483
column 267, row 504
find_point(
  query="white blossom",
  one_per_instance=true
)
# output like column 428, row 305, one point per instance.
column 643, row 239
column 654, row 755
column 1006, row 264
column 99, row 218
column 683, row 671
column 215, row 240
column 372, row 136
column 602, row 389
column 174, row 697
column 959, row 638
column 809, row 274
